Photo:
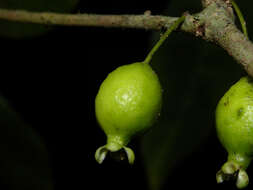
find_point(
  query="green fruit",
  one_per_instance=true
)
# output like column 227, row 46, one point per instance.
column 127, row 104
column 234, row 123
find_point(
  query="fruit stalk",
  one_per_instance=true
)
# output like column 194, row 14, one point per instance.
column 163, row 38
column 241, row 18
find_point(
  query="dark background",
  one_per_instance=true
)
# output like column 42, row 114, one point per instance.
column 52, row 80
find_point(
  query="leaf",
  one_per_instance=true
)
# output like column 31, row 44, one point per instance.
column 25, row 30
column 194, row 75
column 24, row 159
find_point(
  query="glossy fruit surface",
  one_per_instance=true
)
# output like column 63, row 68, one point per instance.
column 127, row 104
column 234, row 124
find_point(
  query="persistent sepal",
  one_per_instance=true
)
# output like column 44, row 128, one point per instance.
column 232, row 171
column 101, row 154
column 130, row 155
column 103, row 150
column 242, row 179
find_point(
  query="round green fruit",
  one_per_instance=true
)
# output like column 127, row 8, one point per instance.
column 234, row 124
column 127, row 104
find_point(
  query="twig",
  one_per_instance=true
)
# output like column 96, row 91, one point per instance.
column 215, row 23
column 144, row 21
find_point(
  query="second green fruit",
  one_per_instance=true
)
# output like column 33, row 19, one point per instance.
column 234, row 123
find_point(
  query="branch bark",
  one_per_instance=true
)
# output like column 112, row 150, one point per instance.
column 215, row 23
column 145, row 21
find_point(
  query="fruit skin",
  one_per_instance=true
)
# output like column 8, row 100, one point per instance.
column 234, row 125
column 127, row 104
